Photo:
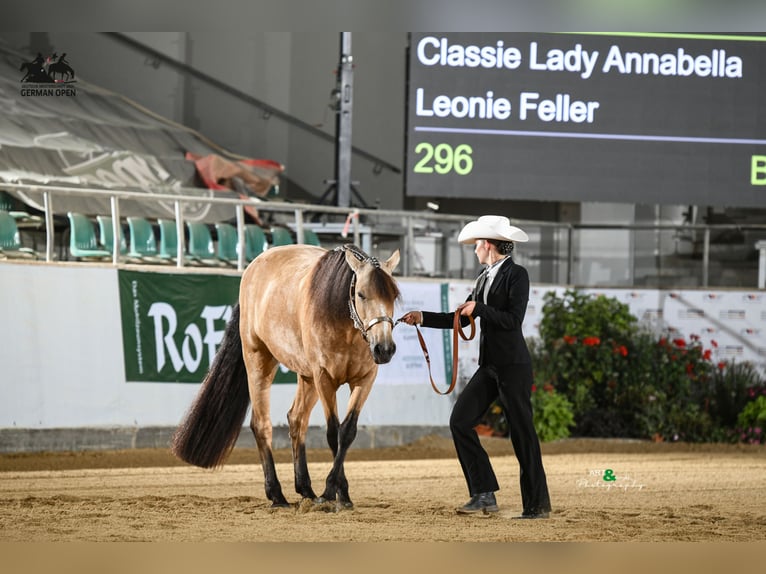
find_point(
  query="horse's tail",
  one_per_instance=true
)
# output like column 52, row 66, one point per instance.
column 211, row 427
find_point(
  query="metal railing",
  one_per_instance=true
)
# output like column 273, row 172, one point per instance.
column 609, row 255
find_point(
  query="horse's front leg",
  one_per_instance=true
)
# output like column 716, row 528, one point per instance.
column 298, row 420
column 340, row 437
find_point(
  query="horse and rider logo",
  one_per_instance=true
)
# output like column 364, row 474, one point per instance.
column 54, row 69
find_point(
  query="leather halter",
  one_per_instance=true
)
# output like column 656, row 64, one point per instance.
column 358, row 323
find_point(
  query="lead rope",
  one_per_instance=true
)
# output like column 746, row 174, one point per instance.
column 457, row 329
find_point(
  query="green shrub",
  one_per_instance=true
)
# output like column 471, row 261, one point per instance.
column 752, row 421
column 552, row 414
column 624, row 381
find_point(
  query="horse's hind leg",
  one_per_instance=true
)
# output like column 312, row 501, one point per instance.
column 261, row 368
column 298, row 419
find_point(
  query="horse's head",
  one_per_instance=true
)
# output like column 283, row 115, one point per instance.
column 373, row 294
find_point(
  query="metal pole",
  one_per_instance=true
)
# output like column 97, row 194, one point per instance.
column 300, row 236
column 570, row 255
column 343, row 121
column 116, row 228
column 706, row 258
column 241, row 241
column 355, row 223
column 181, row 247
column 49, row 238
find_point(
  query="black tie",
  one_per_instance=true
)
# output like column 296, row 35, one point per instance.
column 478, row 294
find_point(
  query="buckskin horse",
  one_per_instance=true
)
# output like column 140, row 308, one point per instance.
column 326, row 315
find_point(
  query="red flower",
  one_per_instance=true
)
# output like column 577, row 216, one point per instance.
column 591, row 341
column 679, row 342
column 721, row 365
column 623, row 350
column 662, row 342
column 534, row 388
column 714, row 343
column 569, row 339
column 689, row 368
column 707, row 354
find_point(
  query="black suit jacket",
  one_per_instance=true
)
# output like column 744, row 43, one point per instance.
column 501, row 341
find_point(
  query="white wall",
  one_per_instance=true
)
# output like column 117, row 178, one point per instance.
column 61, row 358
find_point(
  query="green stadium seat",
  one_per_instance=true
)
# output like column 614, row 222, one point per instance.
column 281, row 236
column 106, row 235
column 200, row 248
column 226, row 249
column 82, row 238
column 10, row 241
column 23, row 218
column 255, row 241
column 168, row 239
column 310, row 237
column 143, row 244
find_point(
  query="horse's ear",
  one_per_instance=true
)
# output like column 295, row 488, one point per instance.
column 392, row 262
column 352, row 261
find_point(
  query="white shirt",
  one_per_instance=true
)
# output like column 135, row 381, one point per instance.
column 491, row 272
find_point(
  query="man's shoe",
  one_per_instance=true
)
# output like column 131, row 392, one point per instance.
column 532, row 514
column 484, row 502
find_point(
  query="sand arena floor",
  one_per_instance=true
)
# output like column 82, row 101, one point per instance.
column 661, row 493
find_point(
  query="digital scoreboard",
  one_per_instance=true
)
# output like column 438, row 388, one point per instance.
column 638, row 118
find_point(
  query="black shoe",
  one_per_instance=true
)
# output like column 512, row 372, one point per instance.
column 484, row 502
column 532, row 514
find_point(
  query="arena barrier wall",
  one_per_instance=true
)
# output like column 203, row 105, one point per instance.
column 97, row 357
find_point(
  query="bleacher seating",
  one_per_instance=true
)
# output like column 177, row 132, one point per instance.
column 168, row 239
column 226, row 249
column 106, row 235
column 82, row 238
column 255, row 241
column 141, row 245
column 280, row 236
column 10, row 240
column 22, row 217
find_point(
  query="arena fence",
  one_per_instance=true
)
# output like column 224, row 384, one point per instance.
column 589, row 255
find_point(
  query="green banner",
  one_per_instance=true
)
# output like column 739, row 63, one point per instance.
column 172, row 324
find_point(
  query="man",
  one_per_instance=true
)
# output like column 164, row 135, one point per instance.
column 500, row 299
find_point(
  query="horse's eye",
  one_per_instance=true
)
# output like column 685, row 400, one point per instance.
column 361, row 296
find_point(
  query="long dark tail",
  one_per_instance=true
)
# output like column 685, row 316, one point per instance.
column 211, row 427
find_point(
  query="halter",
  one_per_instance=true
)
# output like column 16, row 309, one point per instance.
column 358, row 323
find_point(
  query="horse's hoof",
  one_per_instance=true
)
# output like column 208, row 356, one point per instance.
column 323, row 504
column 281, row 504
column 345, row 505
column 306, row 505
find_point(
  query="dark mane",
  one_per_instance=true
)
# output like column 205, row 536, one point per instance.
column 330, row 283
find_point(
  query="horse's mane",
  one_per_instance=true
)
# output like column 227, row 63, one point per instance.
column 331, row 280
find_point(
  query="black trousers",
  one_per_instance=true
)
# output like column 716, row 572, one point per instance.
column 513, row 387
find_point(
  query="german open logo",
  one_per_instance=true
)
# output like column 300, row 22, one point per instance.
column 51, row 76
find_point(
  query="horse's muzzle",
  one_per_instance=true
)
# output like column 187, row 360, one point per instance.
column 383, row 352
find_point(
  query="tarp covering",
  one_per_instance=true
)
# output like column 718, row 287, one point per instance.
column 74, row 134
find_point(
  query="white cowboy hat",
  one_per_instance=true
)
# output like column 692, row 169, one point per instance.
column 491, row 227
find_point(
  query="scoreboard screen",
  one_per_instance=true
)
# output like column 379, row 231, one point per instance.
column 637, row 118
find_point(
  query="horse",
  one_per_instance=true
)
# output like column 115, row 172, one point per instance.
column 35, row 73
column 65, row 71
column 327, row 316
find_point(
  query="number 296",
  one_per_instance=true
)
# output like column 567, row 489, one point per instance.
column 442, row 159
